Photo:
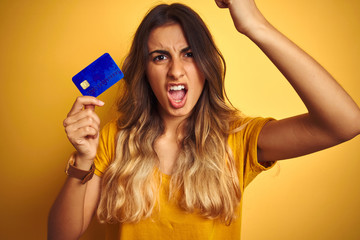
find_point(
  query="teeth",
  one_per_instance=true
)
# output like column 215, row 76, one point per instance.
column 177, row 88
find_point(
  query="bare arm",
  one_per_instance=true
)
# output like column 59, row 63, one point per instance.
column 76, row 203
column 73, row 209
column 333, row 117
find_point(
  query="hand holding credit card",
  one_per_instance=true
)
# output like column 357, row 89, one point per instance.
column 98, row 76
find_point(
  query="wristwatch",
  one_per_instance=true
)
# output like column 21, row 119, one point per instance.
column 74, row 172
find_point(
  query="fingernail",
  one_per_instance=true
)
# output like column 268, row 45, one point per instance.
column 101, row 103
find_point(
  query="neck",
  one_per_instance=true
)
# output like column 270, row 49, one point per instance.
column 173, row 125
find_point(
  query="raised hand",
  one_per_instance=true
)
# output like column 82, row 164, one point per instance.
column 245, row 14
column 82, row 127
column 332, row 115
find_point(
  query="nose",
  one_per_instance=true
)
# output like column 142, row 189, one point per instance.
column 176, row 69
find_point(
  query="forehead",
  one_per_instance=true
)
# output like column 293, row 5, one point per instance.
column 169, row 36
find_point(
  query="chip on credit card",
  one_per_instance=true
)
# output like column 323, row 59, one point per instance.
column 98, row 76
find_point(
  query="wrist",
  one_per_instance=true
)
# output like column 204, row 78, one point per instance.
column 255, row 28
column 262, row 33
column 82, row 162
column 84, row 172
column 247, row 18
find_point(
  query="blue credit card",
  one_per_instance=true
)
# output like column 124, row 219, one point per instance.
column 98, row 76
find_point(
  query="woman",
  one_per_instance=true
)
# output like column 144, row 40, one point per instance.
column 176, row 161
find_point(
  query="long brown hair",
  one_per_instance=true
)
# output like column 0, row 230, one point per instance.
column 204, row 176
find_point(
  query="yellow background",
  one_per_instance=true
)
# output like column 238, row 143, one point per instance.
column 44, row 43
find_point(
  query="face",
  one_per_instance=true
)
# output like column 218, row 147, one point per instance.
column 172, row 72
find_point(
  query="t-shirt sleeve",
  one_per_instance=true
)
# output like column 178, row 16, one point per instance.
column 244, row 146
column 106, row 149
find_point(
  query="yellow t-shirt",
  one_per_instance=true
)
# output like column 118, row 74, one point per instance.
column 171, row 222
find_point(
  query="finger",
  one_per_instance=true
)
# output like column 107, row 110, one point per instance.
column 82, row 101
column 87, row 113
column 86, row 132
column 82, row 135
column 222, row 3
column 82, row 123
column 91, row 107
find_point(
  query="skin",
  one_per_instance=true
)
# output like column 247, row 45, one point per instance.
column 76, row 203
column 171, row 63
column 333, row 117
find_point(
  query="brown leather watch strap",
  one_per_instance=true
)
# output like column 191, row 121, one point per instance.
column 74, row 172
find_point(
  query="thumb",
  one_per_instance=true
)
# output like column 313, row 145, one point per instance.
column 90, row 106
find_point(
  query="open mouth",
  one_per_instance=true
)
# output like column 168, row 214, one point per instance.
column 177, row 95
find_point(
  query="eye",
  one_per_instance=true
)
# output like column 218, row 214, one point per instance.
column 159, row 58
column 189, row 54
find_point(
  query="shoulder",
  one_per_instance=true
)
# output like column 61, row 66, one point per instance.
column 244, row 134
column 248, row 125
column 243, row 141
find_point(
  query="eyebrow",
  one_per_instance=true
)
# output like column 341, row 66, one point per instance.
column 167, row 53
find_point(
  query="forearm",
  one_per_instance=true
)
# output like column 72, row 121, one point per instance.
column 75, row 204
column 327, row 102
column 333, row 117
column 66, row 218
